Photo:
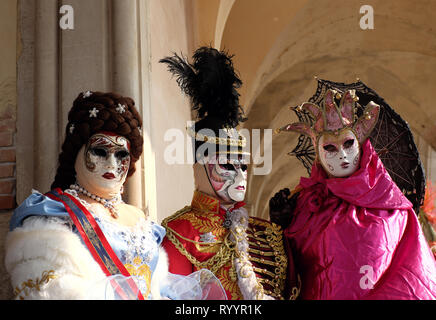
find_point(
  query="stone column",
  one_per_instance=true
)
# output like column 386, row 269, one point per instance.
column 126, row 73
column 25, row 102
column 101, row 53
column 46, row 122
column 37, row 87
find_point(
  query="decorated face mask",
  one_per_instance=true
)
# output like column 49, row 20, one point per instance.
column 339, row 154
column 105, row 163
column 336, row 132
column 229, row 180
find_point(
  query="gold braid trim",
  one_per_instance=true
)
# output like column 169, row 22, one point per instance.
column 30, row 284
column 270, row 238
column 264, row 271
column 227, row 141
column 175, row 216
column 266, row 254
column 225, row 253
column 272, row 235
column 295, row 292
column 206, row 244
column 257, row 243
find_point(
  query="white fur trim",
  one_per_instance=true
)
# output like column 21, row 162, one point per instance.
column 41, row 245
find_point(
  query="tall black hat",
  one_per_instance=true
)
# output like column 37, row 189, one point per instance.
column 211, row 83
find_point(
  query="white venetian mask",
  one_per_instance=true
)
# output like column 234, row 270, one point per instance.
column 339, row 154
column 103, row 163
column 228, row 178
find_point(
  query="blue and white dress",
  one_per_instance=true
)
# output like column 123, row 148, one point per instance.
column 137, row 247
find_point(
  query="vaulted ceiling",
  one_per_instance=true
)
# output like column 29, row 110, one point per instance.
column 279, row 47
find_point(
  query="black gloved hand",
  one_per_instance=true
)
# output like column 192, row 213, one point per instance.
column 281, row 207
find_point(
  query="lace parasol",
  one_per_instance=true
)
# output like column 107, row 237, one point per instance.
column 391, row 138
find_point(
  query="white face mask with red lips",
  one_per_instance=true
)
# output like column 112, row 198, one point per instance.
column 103, row 163
column 229, row 180
column 339, row 154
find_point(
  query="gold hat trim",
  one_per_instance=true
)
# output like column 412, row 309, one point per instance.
column 217, row 140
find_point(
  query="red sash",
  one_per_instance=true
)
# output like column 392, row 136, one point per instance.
column 95, row 240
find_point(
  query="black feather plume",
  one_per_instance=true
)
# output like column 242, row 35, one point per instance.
column 211, row 83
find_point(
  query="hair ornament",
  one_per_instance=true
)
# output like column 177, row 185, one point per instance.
column 86, row 94
column 93, row 113
column 121, row 108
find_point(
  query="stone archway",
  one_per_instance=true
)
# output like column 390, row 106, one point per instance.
column 397, row 59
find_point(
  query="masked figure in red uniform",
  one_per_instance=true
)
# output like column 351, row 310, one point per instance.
column 216, row 232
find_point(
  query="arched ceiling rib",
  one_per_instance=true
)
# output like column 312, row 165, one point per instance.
column 280, row 45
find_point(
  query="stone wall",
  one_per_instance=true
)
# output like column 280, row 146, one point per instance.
column 8, row 105
column 8, row 117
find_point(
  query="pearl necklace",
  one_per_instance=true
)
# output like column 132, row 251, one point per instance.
column 107, row 203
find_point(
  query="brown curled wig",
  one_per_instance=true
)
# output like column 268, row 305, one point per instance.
column 94, row 112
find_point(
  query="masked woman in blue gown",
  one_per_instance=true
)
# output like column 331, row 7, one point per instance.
column 80, row 240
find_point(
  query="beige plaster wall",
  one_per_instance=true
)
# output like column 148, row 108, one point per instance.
column 250, row 30
column 206, row 15
column 170, row 31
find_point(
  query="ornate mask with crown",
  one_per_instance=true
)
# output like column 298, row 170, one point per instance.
column 336, row 132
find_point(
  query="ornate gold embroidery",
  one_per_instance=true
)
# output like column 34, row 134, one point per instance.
column 203, row 216
column 272, row 262
column 216, row 264
column 224, row 254
column 204, row 204
column 138, row 268
column 31, row 284
column 110, row 265
column 205, row 225
column 93, row 238
column 231, row 286
column 212, row 247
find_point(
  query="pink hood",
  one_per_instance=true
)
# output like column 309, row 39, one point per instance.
column 359, row 238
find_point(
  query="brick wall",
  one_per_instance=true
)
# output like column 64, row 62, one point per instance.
column 7, row 158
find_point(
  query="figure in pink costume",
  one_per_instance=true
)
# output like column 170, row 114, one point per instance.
column 353, row 233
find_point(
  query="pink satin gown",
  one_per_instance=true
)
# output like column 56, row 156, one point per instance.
column 359, row 238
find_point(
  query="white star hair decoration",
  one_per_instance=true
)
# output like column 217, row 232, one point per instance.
column 72, row 128
column 86, row 94
column 121, row 108
column 93, row 113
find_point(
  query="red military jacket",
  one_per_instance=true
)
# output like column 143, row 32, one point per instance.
column 197, row 239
